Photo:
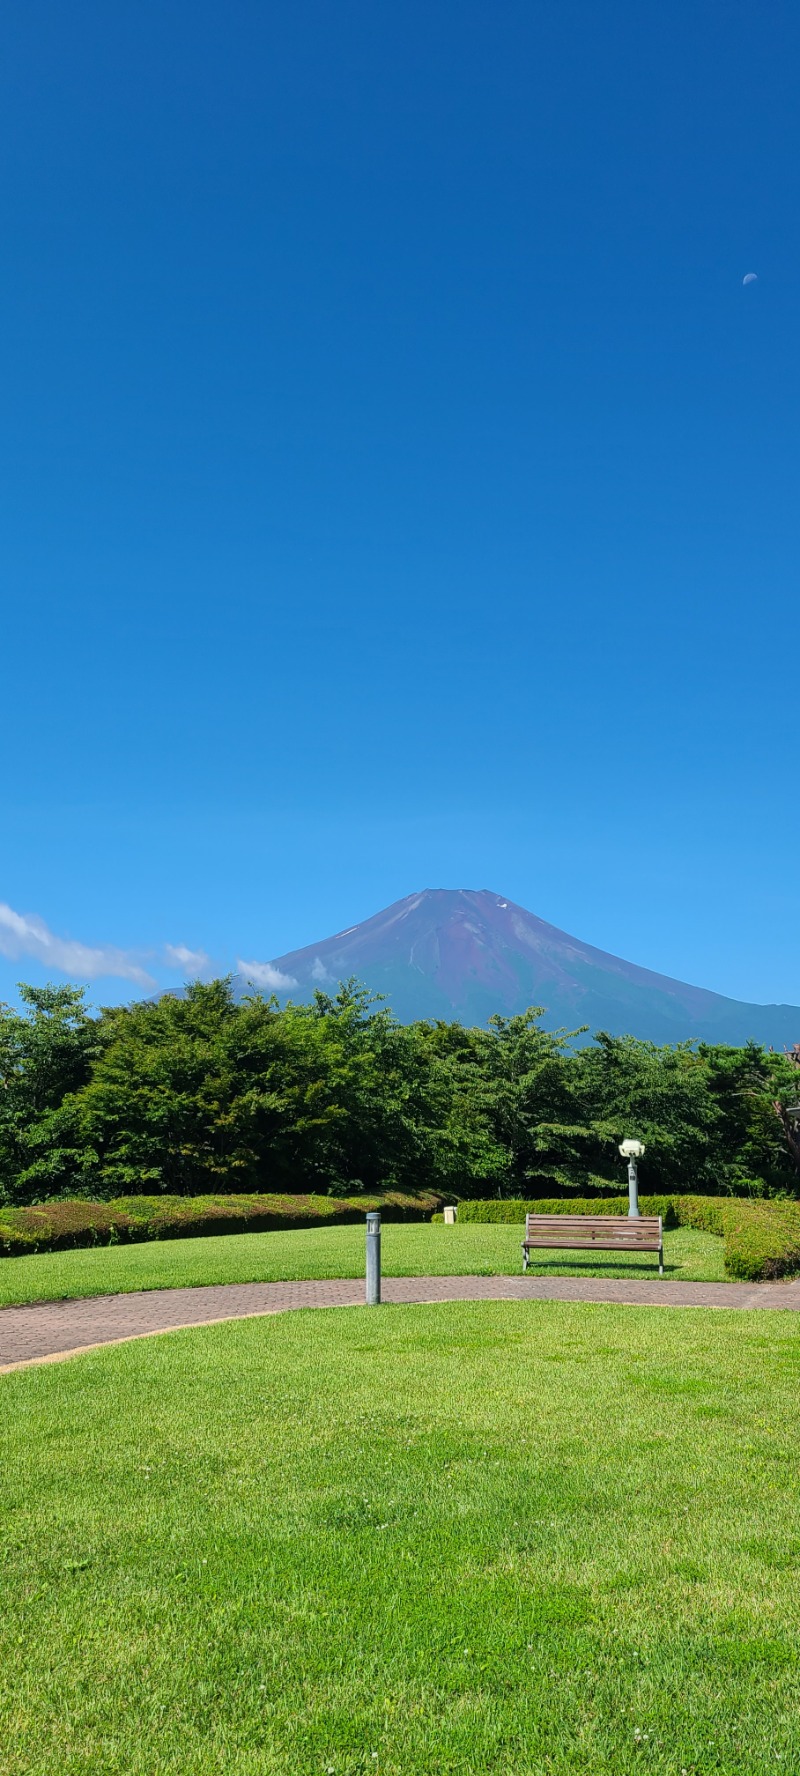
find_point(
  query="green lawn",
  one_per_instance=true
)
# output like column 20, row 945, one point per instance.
column 523, row 1538
column 421, row 1249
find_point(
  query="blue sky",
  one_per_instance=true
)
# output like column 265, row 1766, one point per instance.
column 399, row 483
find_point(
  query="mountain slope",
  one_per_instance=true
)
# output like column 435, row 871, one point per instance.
column 465, row 953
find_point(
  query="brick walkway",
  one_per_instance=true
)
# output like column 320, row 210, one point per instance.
column 45, row 1331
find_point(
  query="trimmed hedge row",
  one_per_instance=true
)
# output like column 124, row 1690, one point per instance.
column 761, row 1240
column 57, row 1226
column 514, row 1209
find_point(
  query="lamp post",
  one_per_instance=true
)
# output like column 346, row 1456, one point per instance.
column 632, row 1151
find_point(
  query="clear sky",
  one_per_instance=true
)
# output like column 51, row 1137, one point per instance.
column 399, row 481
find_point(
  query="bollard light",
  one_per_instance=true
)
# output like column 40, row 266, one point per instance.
column 632, row 1151
column 373, row 1295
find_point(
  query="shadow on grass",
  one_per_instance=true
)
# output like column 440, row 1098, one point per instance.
column 588, row 1266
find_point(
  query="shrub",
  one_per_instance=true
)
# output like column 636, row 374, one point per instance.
column 58, row 1226
column 514, row 1209
column 761, row 1239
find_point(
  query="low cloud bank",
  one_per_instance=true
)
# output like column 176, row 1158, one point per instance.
column 265, row 974
column 25, row 934
column 193, row 962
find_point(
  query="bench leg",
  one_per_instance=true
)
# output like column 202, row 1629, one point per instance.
column 525, row 1259
column 661, row 1261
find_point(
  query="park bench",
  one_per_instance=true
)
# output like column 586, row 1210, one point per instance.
column 602, row 1233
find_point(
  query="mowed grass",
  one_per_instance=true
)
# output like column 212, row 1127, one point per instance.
column 422, row 1249
column 519, row 1538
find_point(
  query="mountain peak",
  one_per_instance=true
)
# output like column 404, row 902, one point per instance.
column 464, row 953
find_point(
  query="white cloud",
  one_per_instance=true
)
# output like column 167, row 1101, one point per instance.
column 191, row 961
column 319, row 972
column 25, row 934
column 265, row 974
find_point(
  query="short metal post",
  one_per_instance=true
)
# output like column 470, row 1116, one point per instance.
column 373, row 1258
column 633, row 1188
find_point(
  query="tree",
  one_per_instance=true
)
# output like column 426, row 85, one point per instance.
column 513, row 1095
column 752, row 1087
column 659, row 1096
column 46, row 1055
column 161, row 1110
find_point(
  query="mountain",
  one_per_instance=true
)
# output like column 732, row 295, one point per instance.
column 462, row 953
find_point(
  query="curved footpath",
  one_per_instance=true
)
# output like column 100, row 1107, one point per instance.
column 46, row 1331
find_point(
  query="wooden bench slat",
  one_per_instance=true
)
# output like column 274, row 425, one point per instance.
column 635, row 1236
column 599, row 1245
column 589, row 1235
column 650, row 1221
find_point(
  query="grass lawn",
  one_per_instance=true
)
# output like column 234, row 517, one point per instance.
column 523, row 1538
column 420, row 1249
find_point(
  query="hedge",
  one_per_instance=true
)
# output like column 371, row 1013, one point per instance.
column 514, row 1209
column 761, row 1240
column 57, row 1226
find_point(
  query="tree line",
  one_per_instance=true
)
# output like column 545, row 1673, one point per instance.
column 199, row 1093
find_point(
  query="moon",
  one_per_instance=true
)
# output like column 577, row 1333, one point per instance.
column 751, row 278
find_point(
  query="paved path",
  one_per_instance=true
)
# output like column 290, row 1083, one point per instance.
column 47, row 1330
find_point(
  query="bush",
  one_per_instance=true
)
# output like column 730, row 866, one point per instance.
column 514, row 1209
column 761, row 1239
column 58, row 1226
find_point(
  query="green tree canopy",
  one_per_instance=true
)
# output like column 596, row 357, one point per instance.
column 195, row 1092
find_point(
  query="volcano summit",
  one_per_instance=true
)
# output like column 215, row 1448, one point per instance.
column 462, row 953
